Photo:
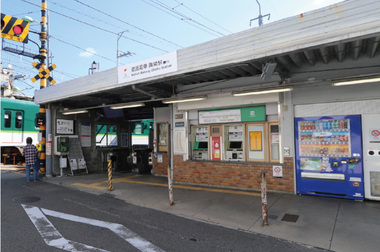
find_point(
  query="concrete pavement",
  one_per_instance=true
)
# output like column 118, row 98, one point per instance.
column 327, row 223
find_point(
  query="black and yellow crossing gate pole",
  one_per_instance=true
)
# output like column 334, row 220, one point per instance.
column 43, row 75
column 42, row 66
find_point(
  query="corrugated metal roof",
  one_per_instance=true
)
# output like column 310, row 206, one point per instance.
column 344, row 33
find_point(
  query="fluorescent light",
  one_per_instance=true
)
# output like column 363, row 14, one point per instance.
column 130, row 105
column 279, row 90
column 72, row 112
column 352, row 82
column 190, row 99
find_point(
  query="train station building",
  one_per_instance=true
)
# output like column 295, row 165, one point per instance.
column 298, row 99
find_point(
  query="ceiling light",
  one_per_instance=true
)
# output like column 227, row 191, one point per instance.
column 72, row 112
column 126, row 105
column 352, row 82
column 189, row 99
column 279, row 90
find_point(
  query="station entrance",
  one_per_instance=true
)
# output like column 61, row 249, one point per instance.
column 130, row 150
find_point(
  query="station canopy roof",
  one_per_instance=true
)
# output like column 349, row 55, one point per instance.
column 337, row 42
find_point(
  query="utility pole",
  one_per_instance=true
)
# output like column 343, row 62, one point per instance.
column 120, row 54
column 260, row 17
column 43, row 55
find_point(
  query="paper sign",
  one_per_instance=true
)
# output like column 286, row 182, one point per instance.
column 277, row 171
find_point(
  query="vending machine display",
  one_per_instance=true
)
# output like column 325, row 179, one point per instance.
column 329, row 156
column 235, row 145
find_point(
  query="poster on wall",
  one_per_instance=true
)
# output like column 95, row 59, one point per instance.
column 85, row 134
column 255, row 141
column 179, row 139
column 216, row 153
column 277, row 171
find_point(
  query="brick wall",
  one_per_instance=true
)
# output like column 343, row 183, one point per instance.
column 227, row 174
column 161, row 168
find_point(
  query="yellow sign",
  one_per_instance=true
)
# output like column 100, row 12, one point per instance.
column 14, row 29
column 255, row 141
column 39, row 147
column 44, row 72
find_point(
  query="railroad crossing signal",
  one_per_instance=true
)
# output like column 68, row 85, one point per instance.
column 14, row 28
column 44, row 72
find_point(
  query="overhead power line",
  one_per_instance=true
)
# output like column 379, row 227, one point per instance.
column 183, row 17
column 99, row 28
column 80, row 48
column 182, row 4
column 134, row 26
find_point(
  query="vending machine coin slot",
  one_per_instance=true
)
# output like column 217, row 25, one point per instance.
column 335, row 163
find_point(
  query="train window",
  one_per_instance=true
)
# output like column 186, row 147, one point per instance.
column 18, row 120
column 106, row 135
column 7, row 119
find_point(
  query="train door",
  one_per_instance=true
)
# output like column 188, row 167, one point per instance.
column 13, row 126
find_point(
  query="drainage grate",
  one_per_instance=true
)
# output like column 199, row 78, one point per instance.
column 290, row 218
column 23, row 200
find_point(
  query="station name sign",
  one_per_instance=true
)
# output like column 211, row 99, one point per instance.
column 155, row 66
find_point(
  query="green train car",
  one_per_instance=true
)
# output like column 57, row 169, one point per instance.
column 17, row 123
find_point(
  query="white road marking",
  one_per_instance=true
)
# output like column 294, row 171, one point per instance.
column 51, row 235
column 120, row 230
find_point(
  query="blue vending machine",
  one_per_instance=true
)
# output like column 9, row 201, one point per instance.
column 329, row 156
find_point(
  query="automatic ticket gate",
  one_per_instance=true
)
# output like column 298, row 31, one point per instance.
column 371, row 155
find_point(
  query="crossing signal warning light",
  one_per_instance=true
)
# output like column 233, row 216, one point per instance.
column 14, row 29
column 40, row 119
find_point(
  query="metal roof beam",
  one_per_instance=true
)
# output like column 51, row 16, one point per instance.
column 325, row 54
column 375, row 46
column 296, row 58
column 144, row 92
column 310, row 56
column 340, row 51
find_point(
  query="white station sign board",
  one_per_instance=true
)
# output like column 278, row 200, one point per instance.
column 162, row 64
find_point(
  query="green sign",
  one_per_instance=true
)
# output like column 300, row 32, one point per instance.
column 253, row 114
column 250, row 114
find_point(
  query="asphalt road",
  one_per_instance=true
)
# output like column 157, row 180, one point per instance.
column 45, row 217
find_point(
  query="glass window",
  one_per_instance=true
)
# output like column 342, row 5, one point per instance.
column 7, row 119
column 256, row 135
column 106, row 135
column 18, row 120
column 274, row 142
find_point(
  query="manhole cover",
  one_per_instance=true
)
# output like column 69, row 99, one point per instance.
column 26, row 199
column 290, row 218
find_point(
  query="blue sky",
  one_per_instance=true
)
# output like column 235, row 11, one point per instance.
column 83, row 31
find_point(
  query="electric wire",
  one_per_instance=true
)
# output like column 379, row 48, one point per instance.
column 99, row 28
column 105, row 22
column 134, row 26
column 82, row 49
column 30, row 68
column 163, row 5
column 182, row 4
column 171, row 14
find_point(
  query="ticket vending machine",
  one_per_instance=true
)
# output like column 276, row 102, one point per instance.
column 329, row 156
column 200, row 142
column 371, row 155
column 235, row 143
